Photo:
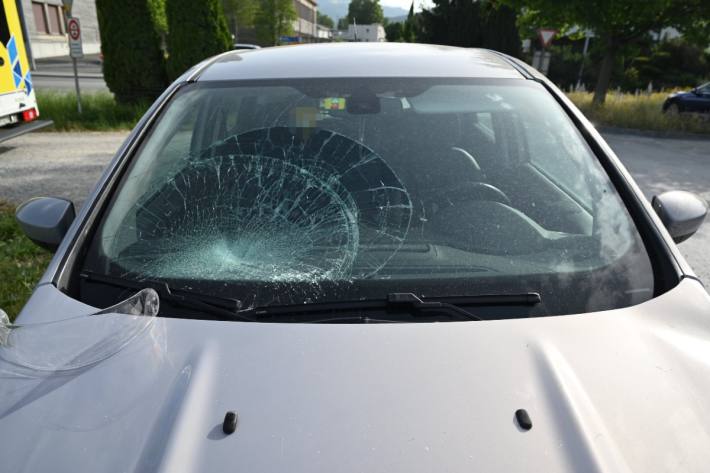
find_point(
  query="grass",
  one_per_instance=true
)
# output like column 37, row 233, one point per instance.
column 641, row 112
column 21, row 263
column 100, row 111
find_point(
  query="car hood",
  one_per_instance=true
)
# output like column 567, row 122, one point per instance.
column 624, row 390
column 684, row 93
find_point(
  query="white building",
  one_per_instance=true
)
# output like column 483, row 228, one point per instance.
column 324, row 33
column 305, row 25
column 44, row 20
column 373, row 33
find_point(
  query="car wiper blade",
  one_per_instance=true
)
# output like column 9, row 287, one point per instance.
column 395, row 302
column 219, row 307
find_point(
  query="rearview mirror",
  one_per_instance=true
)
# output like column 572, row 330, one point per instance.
column 681, row 212
column 45, row 220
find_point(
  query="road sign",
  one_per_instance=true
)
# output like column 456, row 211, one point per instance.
column 546, row 36
column 74, row 33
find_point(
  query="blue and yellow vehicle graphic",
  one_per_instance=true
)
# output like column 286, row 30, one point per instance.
column 17, row 96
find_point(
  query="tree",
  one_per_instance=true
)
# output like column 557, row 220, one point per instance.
column 134, row 63
column 393, row 31
column 365, row 12
column 196, row 31
column 616, row 23
column 325, row 20
column 471, row 23
column 274, row 19
column 500, row 30
column 408, row 31
column 239, row 13
column 343, row 23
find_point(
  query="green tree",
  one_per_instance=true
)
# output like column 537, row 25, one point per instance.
column 394, row 31
column 409, row 34
column 134, row 63
column 615, row 23
column 274, row 19
column 343, row 23
column 500, row 30
column 365, row 12
column 196, row 31
column 471, row 23
column 239, row 14
column 325, row 20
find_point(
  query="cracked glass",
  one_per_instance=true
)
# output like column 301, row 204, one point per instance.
column 299, row 191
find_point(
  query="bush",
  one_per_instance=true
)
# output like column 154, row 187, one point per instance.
column 196, row 31
column 134, row 63
column 641, row 112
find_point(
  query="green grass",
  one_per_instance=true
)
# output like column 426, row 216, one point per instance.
column 642, row 112
column 21, row 263
column 100, row 111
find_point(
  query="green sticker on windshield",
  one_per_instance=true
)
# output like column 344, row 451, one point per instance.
column 332, row 103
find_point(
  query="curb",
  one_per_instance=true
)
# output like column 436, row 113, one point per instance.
column 613, row 130
column 65, row 75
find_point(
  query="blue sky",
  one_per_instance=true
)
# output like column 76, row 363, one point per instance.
column 406, row 3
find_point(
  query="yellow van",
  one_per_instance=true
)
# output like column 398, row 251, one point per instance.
column 17, row 96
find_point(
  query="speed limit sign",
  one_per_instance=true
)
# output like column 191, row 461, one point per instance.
column 74, row 33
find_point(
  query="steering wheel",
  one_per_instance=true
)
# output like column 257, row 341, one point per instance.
column 471, row 191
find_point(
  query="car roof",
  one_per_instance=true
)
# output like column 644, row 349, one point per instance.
column 358, row 60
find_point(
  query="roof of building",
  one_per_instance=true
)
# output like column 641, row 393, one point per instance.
column 358, row 60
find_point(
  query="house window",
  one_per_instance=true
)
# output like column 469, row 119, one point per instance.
column 56, row 20
column 40, row 18
column 49, row 19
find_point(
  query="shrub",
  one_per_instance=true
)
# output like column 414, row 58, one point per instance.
column 642, row 112
column 134, row 63
column 196, row 30
column 100, row 111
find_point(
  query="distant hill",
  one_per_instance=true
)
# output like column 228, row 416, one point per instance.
column 397, row 19
column 339, row 8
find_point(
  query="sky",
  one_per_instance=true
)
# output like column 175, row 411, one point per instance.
column 405, row 4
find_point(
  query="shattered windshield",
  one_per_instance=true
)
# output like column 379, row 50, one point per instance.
column 296, row 192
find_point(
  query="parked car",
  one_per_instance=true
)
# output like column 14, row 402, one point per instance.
column 246, row 46
column 695, row 101
column 361, row 257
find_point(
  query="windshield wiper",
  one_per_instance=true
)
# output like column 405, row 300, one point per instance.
column 220, row 307
column 395, row 302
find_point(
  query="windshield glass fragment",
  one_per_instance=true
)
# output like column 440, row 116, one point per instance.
column 77, row 342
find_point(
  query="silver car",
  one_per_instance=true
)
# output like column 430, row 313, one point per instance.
column 361, row 258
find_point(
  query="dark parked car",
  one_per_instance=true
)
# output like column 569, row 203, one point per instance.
column 695, row 101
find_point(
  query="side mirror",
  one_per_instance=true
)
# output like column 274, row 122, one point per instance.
column 681, row 212
column 45, row 220
column 694, row 90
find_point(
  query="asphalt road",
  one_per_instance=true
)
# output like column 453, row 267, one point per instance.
column 66, row 84
column 662, row 164
column 68, row 165
column 58, row 74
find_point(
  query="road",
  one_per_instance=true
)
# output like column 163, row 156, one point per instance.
column 66, row 84
column 662, row 164
column 58, row 74
column 68, row 165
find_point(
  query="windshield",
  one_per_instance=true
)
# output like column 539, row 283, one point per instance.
column 305, row 191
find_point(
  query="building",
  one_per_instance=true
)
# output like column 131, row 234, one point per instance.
column 46, row 28
column 373, row 33
column 306, row 25
column 324, row 34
